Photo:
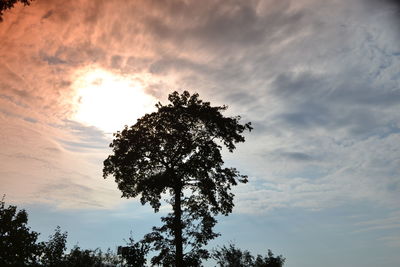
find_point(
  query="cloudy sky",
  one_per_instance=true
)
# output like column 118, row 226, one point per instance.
column 319, row 80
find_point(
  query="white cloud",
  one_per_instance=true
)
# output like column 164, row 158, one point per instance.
column 319, row 80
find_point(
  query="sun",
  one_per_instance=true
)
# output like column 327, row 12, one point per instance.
column 109, row 101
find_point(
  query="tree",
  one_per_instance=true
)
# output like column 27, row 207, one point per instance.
column 84, row 257
column 109, row 258
column 269, row 260
column 134, row 253
column 235, row 257
column 17, row 242
column 8, row 4
column 176, row 152
column 53, row 250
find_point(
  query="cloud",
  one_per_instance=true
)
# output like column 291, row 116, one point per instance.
column 297, row 156
column 49, row 164
column 357, row 172
column 382, row 223
column 319, row 81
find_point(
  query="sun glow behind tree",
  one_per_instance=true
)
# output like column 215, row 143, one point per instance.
column 109, row 101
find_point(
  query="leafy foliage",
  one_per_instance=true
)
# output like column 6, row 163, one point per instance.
column 134, row 254
column 17, row 242
column 109, row 258
column 53, row 250
column 176, row 151
column 8, row 4
column 197, row 230
column 235, row 257
column 18, row 247
column 84, row 257
column 269, row 260
column 53, row 254
column 232, row 256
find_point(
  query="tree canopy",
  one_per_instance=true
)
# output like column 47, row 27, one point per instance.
column 17, row 242
column 234, row 257
column 176, row 152
column 53, row 250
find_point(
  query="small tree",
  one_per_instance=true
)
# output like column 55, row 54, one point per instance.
column 17, row 242
column 53, row 250
column 269, row 260
column 235, row 257
column 110, row 258
column 176, row 151
column 85, row 257
column 134, row 253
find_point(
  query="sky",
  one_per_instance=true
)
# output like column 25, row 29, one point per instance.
column 319, row 80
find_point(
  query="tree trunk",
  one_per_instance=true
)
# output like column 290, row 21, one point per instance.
column 178, row 227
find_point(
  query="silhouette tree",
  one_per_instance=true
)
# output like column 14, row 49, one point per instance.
column 109, row 258
column 269, row 260
column 176, row 152
column 134, row 253
column 235, row 257
column 53, row 250
column 8, row 4
column 85, row 257
column 17, row 242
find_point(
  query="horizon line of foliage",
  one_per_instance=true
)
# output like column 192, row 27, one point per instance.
column 19, row 247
